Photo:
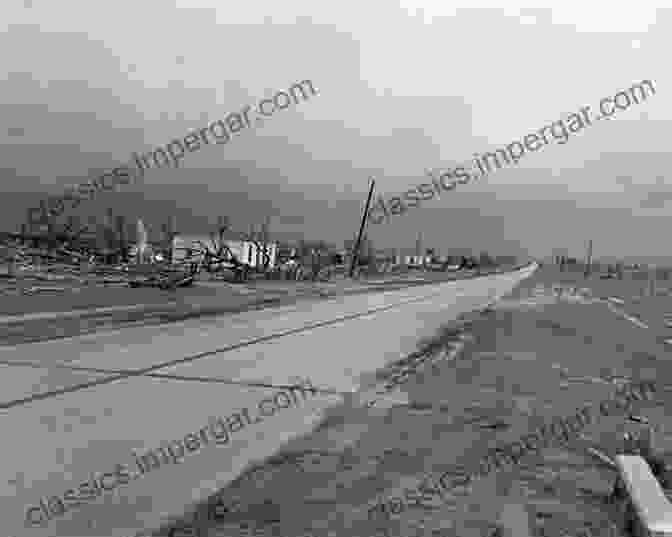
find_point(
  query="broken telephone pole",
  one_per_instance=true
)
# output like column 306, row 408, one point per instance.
column 355, row 252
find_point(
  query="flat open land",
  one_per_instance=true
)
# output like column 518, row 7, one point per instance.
column 72, row 310
column 537, row 355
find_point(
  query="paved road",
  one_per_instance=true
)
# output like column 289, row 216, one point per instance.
column 51, row 318
column 76, row 406
column 534, row 357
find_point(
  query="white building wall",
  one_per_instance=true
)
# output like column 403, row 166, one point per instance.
column 245, row 251
column 411, row 259
column 255, row 256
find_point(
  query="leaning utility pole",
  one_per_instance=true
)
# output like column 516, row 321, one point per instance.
column 355, row 252
column 588, row 258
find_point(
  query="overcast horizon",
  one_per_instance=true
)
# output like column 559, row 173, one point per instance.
column 402, row 88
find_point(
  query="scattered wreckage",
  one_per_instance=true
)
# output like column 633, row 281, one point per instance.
column 164, row 277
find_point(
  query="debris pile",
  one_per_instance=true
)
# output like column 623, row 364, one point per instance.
column 26, row 270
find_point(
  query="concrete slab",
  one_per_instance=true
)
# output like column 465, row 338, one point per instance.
column 62, row 426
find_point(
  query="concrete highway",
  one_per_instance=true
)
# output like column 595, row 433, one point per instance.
column 77, row 406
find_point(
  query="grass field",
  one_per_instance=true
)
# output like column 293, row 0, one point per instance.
column 155, row 306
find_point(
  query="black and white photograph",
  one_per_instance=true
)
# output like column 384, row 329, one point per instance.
column 335, row 269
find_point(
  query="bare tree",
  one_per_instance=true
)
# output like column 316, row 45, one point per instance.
column 485, row 260
column 265, row 239
column 121, row 227
column 218, row 250
column 318, row 252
